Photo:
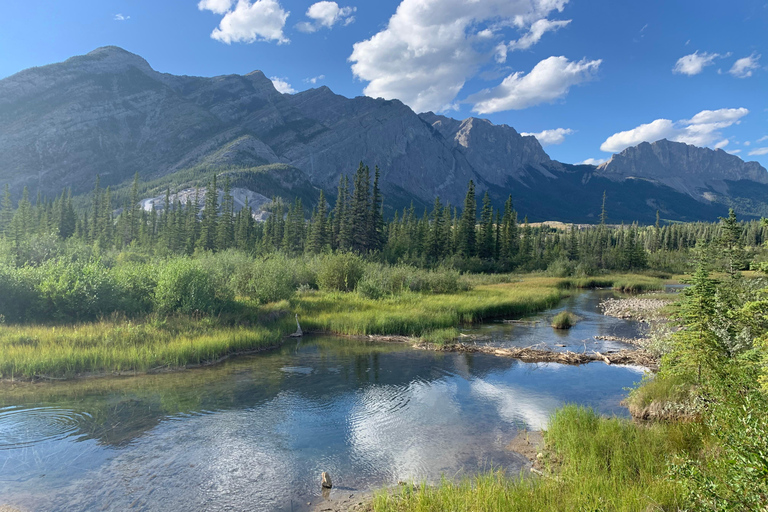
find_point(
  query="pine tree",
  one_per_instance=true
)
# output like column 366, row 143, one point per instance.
column 376, row 217
column 467, row 246
column 359, row 212
column 209, row 221
column 486, row 244
column 6, row 211
column 225, row 236
column 603, row 214
column 319, row 232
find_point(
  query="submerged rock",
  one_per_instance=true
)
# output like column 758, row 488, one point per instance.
column 326, row 480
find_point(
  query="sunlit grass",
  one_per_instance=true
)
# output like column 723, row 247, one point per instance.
column 120, row 345
column 415, row 314
column 595, row 463
column 628, row 283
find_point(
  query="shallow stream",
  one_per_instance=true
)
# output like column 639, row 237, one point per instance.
column 255, row 433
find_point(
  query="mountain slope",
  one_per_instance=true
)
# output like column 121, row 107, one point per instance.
column 109, row 113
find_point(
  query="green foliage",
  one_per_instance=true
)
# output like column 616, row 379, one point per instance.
column 272, row 279
column 600, row 464
column 563, row 320
column 340, row 271
column 185, row 286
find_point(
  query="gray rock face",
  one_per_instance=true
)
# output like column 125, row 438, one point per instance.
column 688, row 169
column 109, row 113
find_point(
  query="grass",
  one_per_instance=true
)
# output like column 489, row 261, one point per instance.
column 415, row 314
column 120, row 345
column 564, row 320
column 627, row 283
column 600, row 464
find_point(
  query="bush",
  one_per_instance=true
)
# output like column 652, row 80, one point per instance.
column 18, row 299
column 272, row 279
column 564, row 320
column 340, row 271
column 185, row 286
column 74, row 290
column 136, row 285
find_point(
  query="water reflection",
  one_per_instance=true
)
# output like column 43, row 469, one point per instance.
column 255, row 433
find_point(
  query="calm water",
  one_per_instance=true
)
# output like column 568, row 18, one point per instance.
column 255, row 433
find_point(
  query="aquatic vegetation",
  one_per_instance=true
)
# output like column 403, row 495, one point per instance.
column 564, row 320
column 599, row 464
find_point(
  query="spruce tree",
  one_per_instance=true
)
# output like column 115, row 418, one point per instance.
column 467, row 246
column 486, row 229
column 6, row 211
column 209, row 221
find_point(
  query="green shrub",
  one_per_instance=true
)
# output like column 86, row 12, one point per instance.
column 136, row 285
column 74, row 290
column 185, row 286
column 272, row 279
column 340, row 272
column 18, row 299
column 564, row 320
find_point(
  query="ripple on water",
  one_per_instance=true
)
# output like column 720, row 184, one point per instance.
column 23, row 426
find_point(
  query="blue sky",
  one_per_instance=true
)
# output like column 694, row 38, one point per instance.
column 588, row 77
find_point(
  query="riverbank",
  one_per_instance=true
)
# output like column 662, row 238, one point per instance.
column 155, row 343
column 589, row 463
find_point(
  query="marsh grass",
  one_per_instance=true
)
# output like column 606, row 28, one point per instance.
column 598, row 464
column 627, row 283
column 416, row 314
column 119, row 345
column 564, row 320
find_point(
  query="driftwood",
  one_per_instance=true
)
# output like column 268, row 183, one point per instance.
column 532, row 355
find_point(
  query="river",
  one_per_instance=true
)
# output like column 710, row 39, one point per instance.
column 254, row 433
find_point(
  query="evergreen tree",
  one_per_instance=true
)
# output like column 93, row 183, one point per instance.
column 486, row 244
column 209, row 220
column 467, row 246
column 376, row 217
column 319, row 232
column 6, row 211
column 225, row 237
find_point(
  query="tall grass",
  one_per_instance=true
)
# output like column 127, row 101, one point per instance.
column 415, row 314
column 123, row 345
column 601, row 464
column 628, row 283
column 563, row 320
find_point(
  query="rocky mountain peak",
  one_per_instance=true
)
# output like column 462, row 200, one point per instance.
column 689, row 169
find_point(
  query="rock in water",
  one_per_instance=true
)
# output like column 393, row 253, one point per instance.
column 327, row 484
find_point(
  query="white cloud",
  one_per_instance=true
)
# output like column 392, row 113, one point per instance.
column 537, row 30
column 758, row 151
column 747, row 143
column 550, row 137
column 762, row 139
column 262, row 20
column 325, row 15
column 430, row 48
column 703, row 129
column 694, row 63
column 721, row 144
column 282, row 85
column 593, row 161
column 314, row 79
column 744, row 67
column 216, row 6
column 734, row 151
column 121, row 17
column 548, row 81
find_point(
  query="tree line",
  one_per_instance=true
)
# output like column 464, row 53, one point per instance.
column 494, row 240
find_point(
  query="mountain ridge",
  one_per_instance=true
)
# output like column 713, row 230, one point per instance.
column 110, row 113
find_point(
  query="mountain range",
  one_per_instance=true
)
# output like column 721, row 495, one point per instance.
column 108, row 113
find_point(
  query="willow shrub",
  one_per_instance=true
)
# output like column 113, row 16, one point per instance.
column 186, row 286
